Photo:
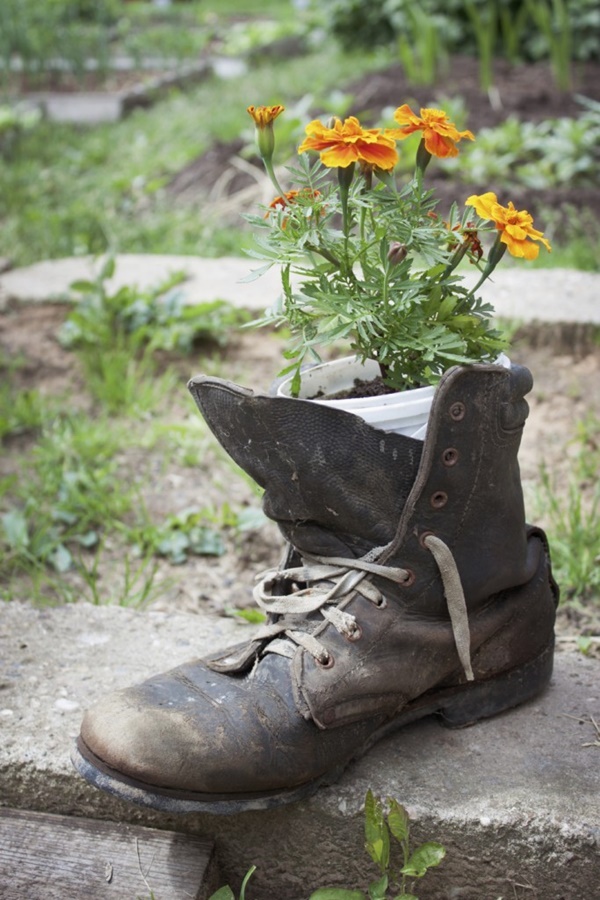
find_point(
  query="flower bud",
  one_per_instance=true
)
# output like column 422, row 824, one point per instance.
column 264, row 116
column 397, row 253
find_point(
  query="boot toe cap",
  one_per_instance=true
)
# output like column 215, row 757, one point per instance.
column 199, row 732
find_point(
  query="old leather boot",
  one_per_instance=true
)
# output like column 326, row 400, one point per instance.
column 411, row 586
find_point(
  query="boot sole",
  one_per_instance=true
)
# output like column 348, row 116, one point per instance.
column 457, row 707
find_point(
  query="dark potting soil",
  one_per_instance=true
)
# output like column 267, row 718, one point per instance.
column 360, row 388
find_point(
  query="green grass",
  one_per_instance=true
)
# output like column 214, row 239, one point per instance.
column 571, row 512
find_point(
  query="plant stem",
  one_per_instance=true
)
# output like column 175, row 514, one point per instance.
column 271, row 173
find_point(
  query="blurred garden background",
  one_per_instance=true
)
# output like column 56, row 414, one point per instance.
column 108, row 479
column 521, row 74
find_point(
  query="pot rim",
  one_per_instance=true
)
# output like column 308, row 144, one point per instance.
column 415, row 400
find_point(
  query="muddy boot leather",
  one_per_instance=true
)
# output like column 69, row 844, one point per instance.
column 411, row 586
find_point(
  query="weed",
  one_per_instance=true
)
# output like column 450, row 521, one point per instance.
column 396, row 876
column 125, row 385
column 158, row 319
column 225, row 893
column 195, row 532
column 184, row 534
column 136, row 588
column 20, row 411
column 116, row 333
column 69, row 491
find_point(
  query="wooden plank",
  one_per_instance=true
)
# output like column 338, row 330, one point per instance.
column 66, row 858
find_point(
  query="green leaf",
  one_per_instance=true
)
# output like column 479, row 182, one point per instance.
column 398, row 821
column 174, row 545
column 250, row 517
column 224, row 893
column 88, row 539
column 296, row 382
column 336, row 894
column 376, row 832
column 108, row 268
column 255, row 274
column 377, row 889
column 206, row 542
column 405, row 897
column 253, row 616
column 83, row 286
column 15, row 529
column 424, row 857
column 60, row 559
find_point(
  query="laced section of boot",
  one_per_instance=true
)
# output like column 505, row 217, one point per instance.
column 329, row 580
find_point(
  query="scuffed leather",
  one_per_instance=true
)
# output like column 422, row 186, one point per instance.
column 332, row 483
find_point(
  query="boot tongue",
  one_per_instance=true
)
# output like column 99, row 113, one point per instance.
column 332, row 483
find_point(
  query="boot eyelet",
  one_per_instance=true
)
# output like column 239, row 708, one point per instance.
column 457, row 411
column 424, row 537
column 438, row 499
column 381, row 603
column 450, row 456
column 326, row 663
column 410, row 578
column 355, row 635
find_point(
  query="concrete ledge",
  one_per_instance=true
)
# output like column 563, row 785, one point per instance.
column 514, row 799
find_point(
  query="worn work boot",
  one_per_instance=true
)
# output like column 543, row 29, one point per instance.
column 411, row 586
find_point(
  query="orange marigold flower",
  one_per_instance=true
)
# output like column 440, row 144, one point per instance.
column 348, row 142
column 282, row 202
column 264, row 115
column 439, row 134
column 516, row 227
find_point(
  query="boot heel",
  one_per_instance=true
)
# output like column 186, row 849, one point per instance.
column 488, row 698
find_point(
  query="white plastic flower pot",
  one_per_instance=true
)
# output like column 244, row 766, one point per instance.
column 403, row 412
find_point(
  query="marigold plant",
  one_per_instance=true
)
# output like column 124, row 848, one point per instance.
column 372, row 263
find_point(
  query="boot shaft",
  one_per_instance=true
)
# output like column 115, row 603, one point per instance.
column 338, row 487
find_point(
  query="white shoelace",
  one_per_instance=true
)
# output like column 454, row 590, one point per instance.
column 330, row 580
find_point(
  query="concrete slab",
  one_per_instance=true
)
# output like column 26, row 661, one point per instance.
column 207, row 279
column 98, row 107
column 515, row 799
column 525, row 295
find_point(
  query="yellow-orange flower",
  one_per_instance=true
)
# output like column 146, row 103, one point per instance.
column 516, row 227
column 439, row 134
column 348, row 142
column 264, row 115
